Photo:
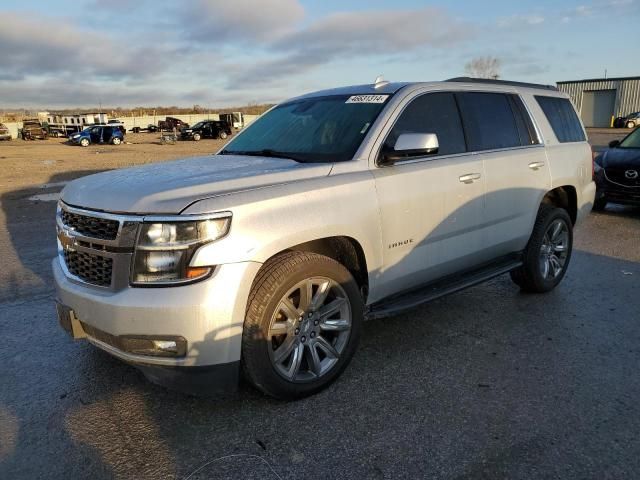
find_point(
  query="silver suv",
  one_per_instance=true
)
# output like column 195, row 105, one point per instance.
column 331, row 208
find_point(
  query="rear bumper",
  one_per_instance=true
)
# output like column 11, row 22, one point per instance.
column 585, row 201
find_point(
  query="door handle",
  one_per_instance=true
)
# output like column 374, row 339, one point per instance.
column 536, row 165
column 469, row 177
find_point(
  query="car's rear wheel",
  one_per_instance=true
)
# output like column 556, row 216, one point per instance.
column 116, row 141
column 302, row 325
column 547, row 255
column 196, row 137
column 222, row 135
column 631, row 124
column 84, row 142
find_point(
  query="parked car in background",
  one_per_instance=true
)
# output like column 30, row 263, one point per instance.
column 617, row 172
column 630, row 121
column 4, row 132
column 98, row 134
column 151, row 128
column 32, row 129
column 336, row 206
column 207, row 129
column 171, row 122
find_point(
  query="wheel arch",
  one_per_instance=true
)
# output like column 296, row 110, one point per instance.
column 563, row 197
column 343, row 249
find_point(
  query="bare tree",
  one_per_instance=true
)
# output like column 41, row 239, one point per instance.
column 483, row 67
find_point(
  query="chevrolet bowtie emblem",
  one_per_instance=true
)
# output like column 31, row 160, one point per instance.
column 66, row 239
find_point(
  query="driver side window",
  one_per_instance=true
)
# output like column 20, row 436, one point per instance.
column 432, row 113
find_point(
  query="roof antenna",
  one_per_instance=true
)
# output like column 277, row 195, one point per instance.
column 380, row 82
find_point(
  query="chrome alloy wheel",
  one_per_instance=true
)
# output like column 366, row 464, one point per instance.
column 309, row 329
column 554, row 249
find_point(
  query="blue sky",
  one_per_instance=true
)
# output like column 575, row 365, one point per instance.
column 216, row 53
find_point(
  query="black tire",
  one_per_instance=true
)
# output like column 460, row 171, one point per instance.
column 599, row 204
column 274, row 280
column 196, row 137
column 631, row 125
column 222, row 135
column 529, row 277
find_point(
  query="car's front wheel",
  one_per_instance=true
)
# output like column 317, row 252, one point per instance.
column 84, row 142
column 302, row 324
column 196, row 137
column 547, row 255
column 631, row 124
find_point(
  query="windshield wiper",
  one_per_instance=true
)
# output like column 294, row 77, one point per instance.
column 265, row 152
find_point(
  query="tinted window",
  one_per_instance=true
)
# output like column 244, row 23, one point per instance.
column 432, row 113
column 526, row 131
column 488, row 121
column 563, row 118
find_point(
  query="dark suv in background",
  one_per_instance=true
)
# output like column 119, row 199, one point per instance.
column 207, row 129
column 617, row 172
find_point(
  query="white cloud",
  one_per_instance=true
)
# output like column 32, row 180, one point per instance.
column 350, row 35
column 517, row 21
column 239, row 20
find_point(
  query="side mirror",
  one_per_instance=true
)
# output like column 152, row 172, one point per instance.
column 614, row 143
column 411, row 145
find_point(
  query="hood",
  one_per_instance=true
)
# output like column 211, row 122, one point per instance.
column 168, row 188
column 620, row 158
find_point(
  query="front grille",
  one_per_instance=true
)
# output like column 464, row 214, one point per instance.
column 617, row 175
column 94, row 227
column 90, row 268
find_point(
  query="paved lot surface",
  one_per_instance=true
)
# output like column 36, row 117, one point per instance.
column 487, row 383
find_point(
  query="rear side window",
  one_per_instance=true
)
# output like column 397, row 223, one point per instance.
column 432, row 113
column 489, row 121
column 562, row 118
column 526, row 130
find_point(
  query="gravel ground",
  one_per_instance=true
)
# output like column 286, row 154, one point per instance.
column 487, row 383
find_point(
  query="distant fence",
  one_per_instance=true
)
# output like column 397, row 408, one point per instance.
column 145, row 120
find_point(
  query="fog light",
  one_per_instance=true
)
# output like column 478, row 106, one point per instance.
column 166, row 345
column 157, row 347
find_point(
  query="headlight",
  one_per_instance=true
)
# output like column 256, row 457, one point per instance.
column 76, row 136
column 165, row 248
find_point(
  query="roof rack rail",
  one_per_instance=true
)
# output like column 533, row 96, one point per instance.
column 500, row 82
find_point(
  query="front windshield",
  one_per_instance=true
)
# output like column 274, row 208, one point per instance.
column 320, row 129
column 198, row 125
column 632, row 140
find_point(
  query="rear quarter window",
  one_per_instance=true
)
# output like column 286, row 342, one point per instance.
column 562, row 117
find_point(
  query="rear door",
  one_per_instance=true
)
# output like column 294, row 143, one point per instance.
column 500, row 130
column 431, row 207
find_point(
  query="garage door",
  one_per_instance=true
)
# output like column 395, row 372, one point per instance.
column 597, row 107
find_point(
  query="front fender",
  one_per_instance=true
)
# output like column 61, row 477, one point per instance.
column 268, row 220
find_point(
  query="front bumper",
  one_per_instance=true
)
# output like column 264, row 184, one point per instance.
column 208, row 314
column 615, row 192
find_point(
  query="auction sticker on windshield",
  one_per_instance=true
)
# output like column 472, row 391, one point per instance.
column 367, row 99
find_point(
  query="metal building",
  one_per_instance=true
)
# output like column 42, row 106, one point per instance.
column 600, row 99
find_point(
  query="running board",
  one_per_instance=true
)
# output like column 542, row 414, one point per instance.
column 440, row 288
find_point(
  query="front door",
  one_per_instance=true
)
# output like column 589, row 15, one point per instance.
column 95, row 134
column 431, row 208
